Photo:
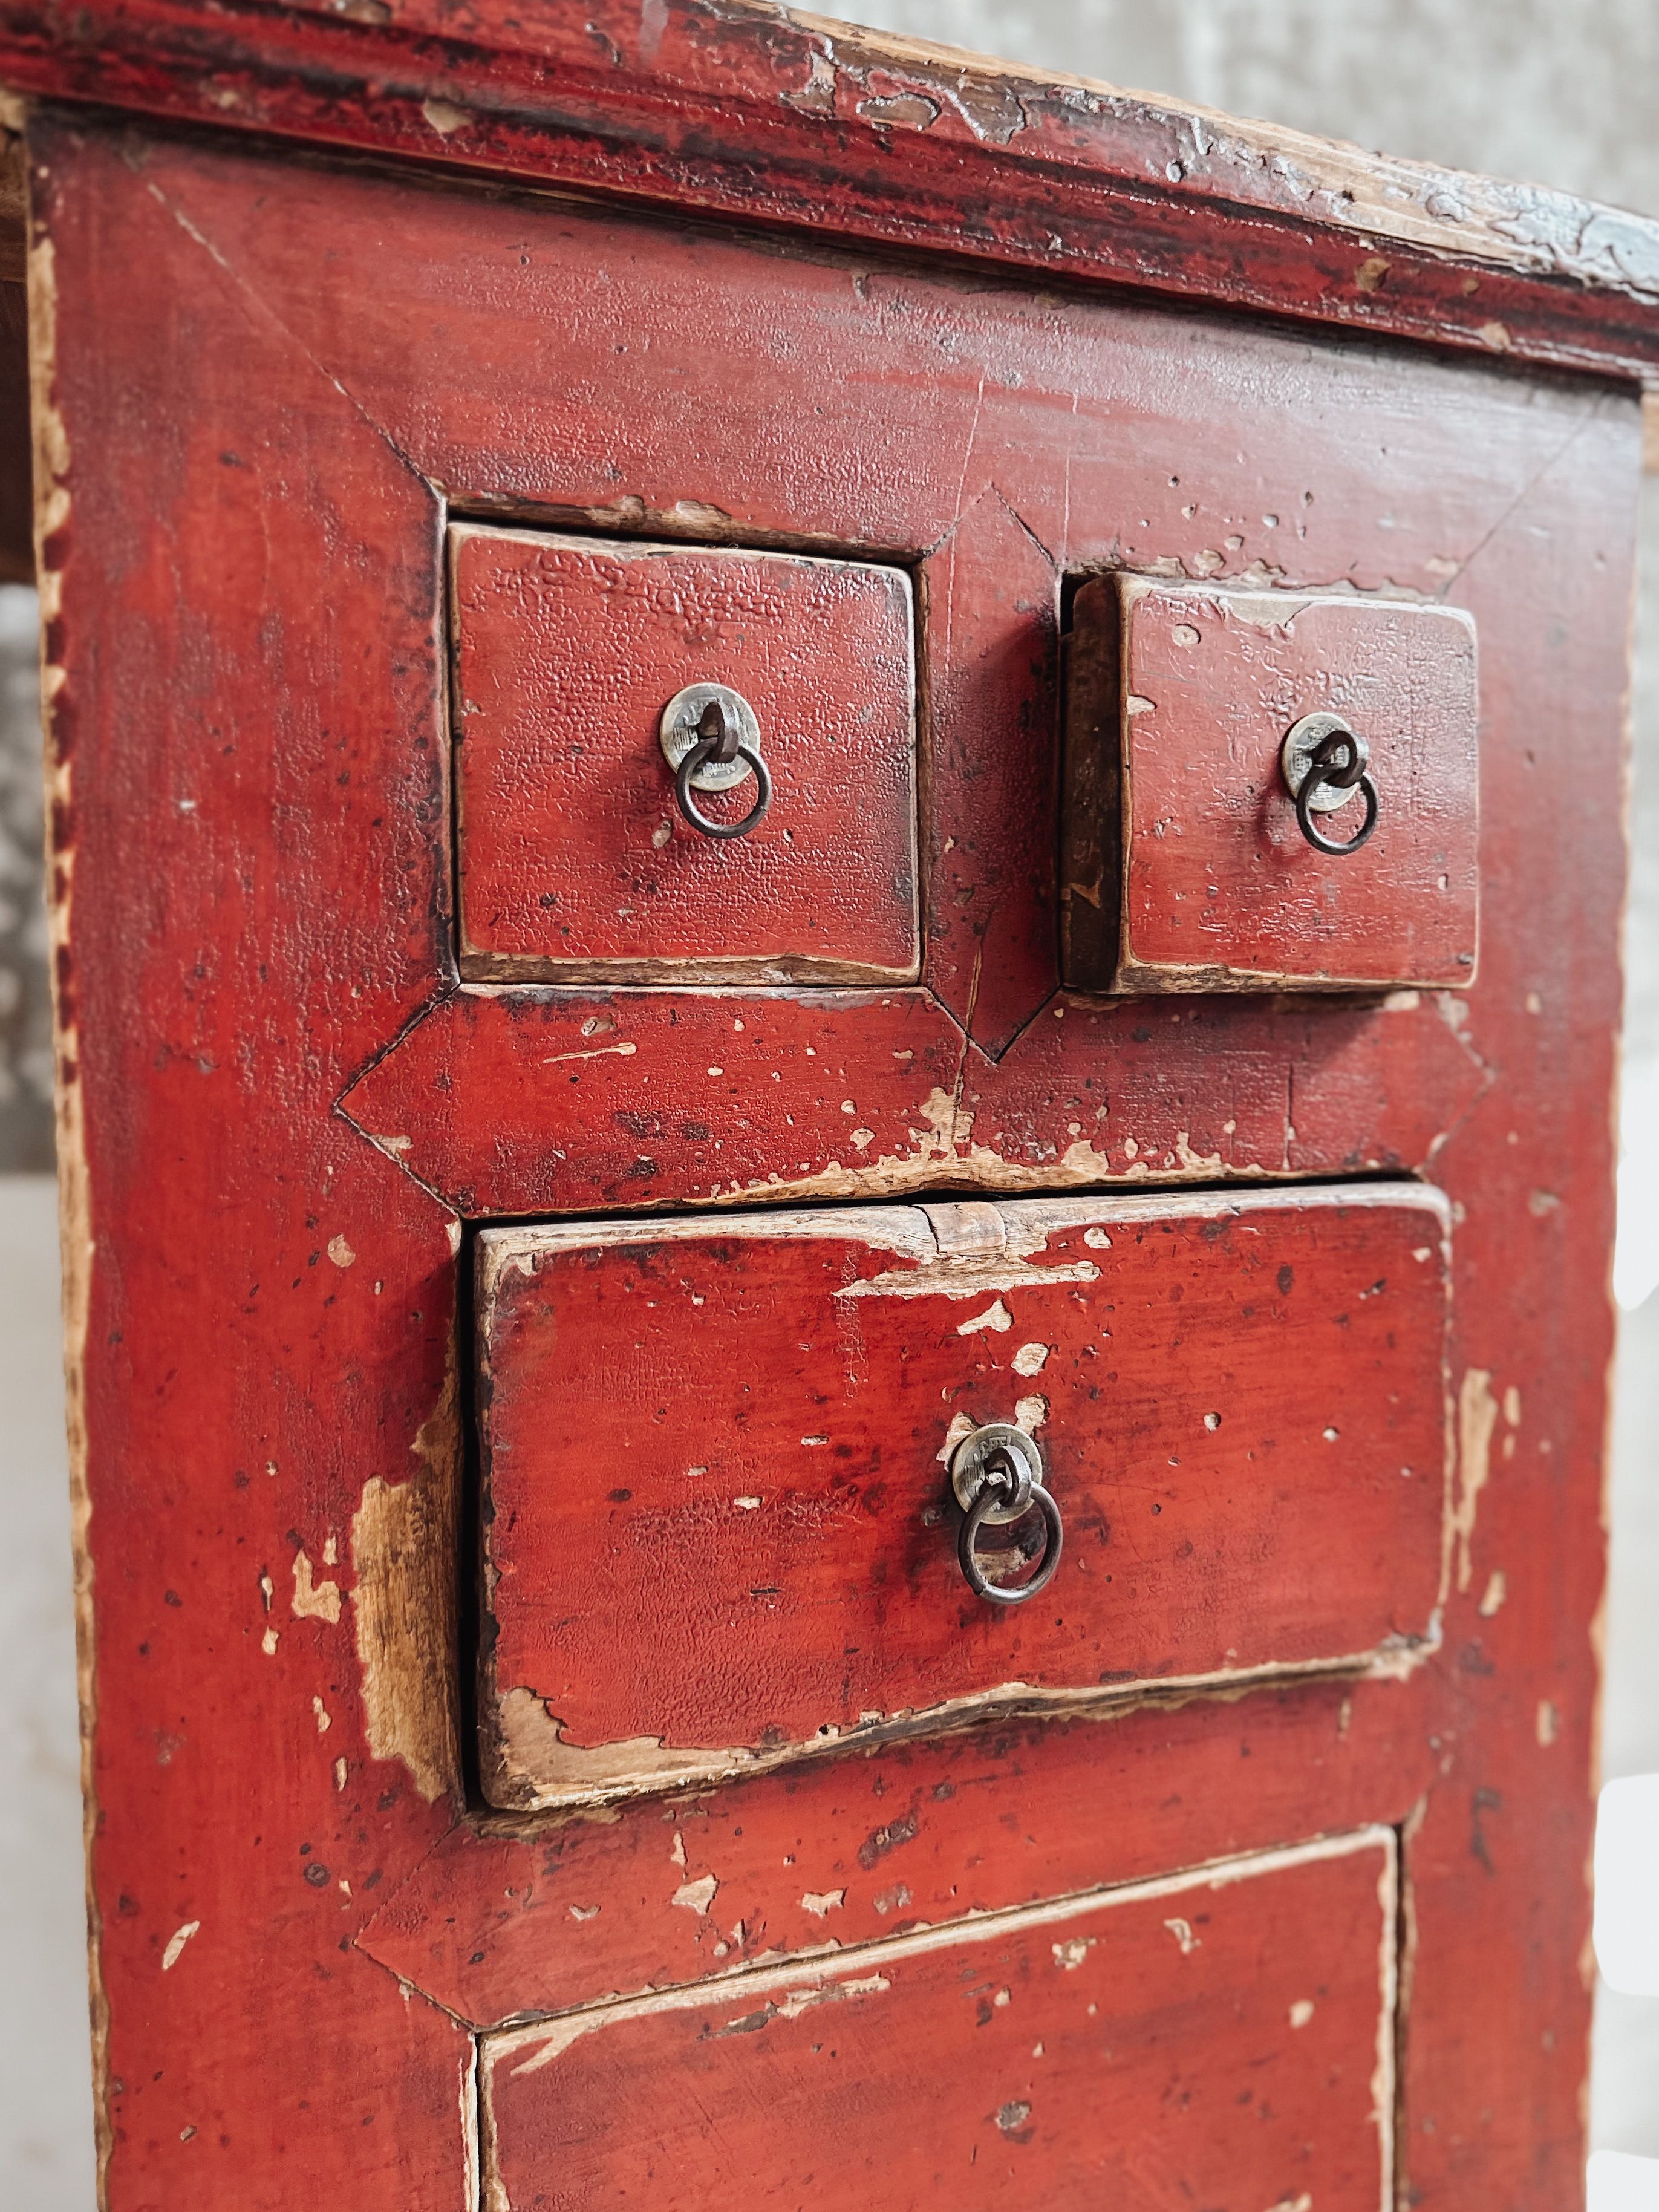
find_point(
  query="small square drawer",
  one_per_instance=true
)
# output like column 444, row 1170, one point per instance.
column 1268, row 791
column 1218, row 2039
column 585, row 669
column 725, row 1462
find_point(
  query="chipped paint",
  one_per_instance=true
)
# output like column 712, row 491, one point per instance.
column 696, row 1896
column 403, row 1548
column 821, row 1901
column 969, row 1277
column 445, row 118
column 532, row 1766
column 176, row 1944
column 1182, row 1932
column 532, row 1762
column 312, row 1599
column 1477, row 1417
column 995, row 1316
column 75, row 1223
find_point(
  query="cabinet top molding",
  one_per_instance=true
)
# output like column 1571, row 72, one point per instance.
column 741, row 109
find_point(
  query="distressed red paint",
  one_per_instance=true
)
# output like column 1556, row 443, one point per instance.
column 282, row 1106
column 728, row 1436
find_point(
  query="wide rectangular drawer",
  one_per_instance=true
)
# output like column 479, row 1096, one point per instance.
column 583, row 669
column 718, row 1531
column 1215, row 2042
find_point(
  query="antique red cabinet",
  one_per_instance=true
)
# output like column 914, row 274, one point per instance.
column 836, row 867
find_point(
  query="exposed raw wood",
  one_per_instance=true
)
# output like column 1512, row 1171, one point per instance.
column 405, row 1551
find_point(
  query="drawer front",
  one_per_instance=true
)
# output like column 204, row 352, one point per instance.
column 718, row 1531
column 577, row 858
column 1220, row 2040
column 1190, row 865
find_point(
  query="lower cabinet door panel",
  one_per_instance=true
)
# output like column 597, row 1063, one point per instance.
column 1219, row 2041
column 718, row 1531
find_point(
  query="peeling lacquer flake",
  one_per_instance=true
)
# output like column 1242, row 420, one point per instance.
column 176, row 1944
column 558, row 2040
column 944, row 1152
column 340, row 1252
column 820, row 1902
column 1182, row 1932
column 313, row 1600
column 445, row 118
column 696, row 1896
column 995, row 1316
column 1477, row 1417
column 403, row 1602
column 537, row 1763
column 1070, row 1956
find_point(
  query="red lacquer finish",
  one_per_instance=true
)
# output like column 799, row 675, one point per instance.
column 1202, row 876
column 505, row 1922
column 774, row 118
column 574, row 858
column 707, row 1440
column 1222, row 2040
column 289, row 1118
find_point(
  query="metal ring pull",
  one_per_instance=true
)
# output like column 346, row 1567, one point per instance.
column 720, row 749
column 1323, row 761
column 996, row 1472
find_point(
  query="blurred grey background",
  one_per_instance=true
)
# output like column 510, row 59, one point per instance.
column 1566, row 93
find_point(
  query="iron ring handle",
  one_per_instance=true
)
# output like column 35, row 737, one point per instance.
column 1343, row 773
column 990, row 1495
column 699, row 755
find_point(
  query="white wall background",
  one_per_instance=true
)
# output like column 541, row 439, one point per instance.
column 1564, row 94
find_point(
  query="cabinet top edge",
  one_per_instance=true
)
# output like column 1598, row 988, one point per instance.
column 735, row 108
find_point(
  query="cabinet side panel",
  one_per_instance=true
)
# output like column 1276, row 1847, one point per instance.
column 245, row 897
